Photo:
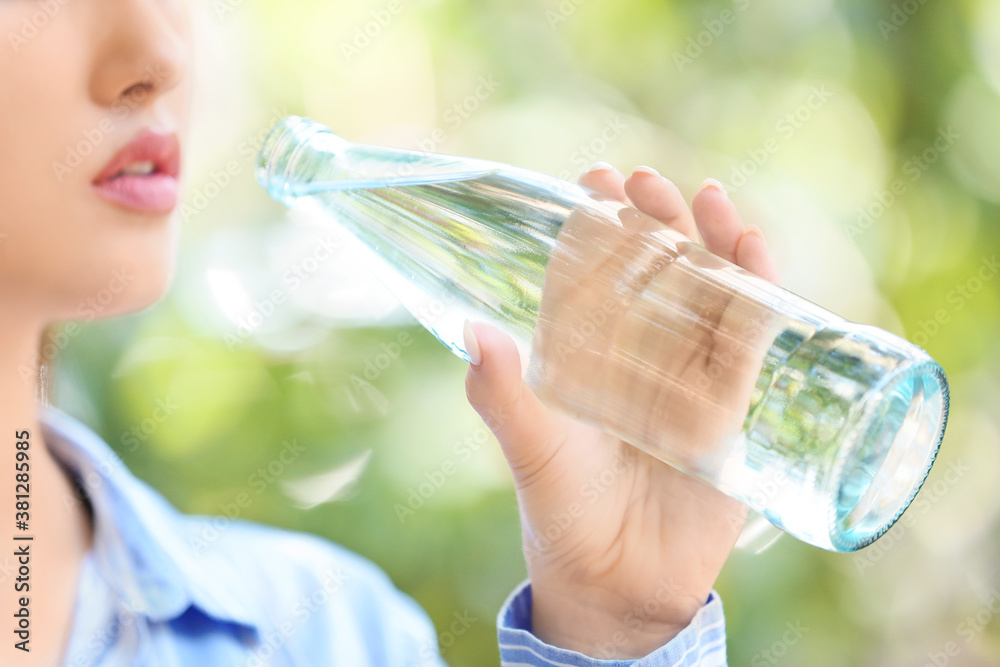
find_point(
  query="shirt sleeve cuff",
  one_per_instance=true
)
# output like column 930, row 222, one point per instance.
column 701, row 643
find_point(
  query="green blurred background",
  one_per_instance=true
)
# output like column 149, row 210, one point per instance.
column 862, row 137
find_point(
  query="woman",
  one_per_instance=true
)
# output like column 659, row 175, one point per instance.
column 92, row 125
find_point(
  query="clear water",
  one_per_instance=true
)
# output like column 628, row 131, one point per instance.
column 381, row 181
column 825, row 427
column 447, row 254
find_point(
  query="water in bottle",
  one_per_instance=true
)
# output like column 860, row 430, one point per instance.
column 826, row 427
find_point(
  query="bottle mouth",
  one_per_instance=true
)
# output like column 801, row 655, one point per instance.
column 301, row 157
column 899, row 429
column 280, row 153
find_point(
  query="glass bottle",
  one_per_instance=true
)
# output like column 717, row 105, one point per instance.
column 825, row 427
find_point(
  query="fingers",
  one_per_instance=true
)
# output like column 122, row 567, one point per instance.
column 605, row 179
column 753, row 254
column 712, row 214
column 523, row 425
column 656, row 196
column 720, row 225
column 723, row 233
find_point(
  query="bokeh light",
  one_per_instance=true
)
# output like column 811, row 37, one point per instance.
column 863, row 138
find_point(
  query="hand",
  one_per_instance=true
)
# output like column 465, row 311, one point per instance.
column 622, row 550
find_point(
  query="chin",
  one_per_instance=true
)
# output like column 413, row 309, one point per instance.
column 137, row 302
column 138, row 288
column 138, row 271
column 129, row 285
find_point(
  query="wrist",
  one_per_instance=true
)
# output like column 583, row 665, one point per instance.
column 609, row 625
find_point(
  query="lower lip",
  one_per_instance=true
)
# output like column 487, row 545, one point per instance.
column 154, row 193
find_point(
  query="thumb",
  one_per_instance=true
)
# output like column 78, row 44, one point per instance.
column 523, row 425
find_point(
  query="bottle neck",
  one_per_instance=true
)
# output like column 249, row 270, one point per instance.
column 284, row 157
column 301, row 157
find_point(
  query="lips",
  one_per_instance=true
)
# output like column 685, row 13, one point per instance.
column 143, row 176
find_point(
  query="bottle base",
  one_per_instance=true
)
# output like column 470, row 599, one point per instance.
column 897, row 435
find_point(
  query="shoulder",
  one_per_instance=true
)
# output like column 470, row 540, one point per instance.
column 309, row 601
column 287, row 559
column 313, row 595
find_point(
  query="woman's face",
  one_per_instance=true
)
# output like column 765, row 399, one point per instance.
column 93, row 104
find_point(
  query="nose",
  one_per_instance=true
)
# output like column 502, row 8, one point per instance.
column 142, row 51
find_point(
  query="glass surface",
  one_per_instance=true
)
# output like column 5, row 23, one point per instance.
column 825, row 427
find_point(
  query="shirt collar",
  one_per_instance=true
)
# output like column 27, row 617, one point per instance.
column 140, row 541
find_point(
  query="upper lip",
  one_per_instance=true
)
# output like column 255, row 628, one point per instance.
column 162, row 149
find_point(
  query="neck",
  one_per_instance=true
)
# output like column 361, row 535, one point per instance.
column 60, row 531
column 19, row 382
column 19, row 370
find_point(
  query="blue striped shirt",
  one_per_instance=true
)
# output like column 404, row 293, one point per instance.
column 158, row 587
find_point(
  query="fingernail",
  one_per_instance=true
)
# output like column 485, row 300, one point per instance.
column 472, row 345
column 646, row 170
column 600, row 166
column 755, row 230
column 712, row 183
